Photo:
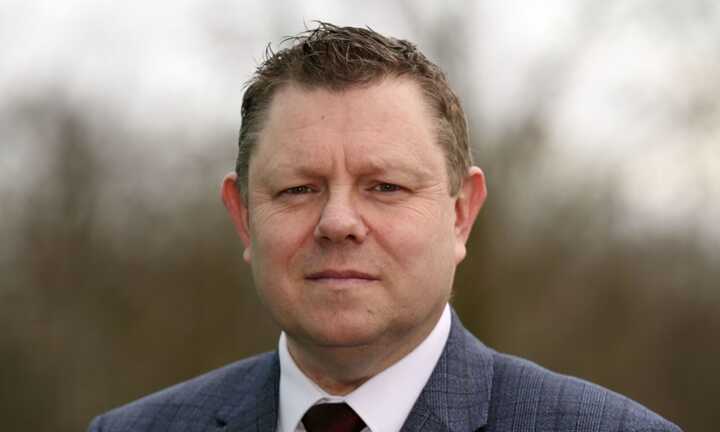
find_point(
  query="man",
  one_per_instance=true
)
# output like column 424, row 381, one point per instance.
column 354, row 195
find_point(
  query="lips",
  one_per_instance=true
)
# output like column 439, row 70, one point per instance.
column 340, row 275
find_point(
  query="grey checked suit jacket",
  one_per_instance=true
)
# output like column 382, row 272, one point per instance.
column 472, row 388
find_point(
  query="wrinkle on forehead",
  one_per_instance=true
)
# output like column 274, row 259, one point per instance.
column 378, row 128
column 363, row 158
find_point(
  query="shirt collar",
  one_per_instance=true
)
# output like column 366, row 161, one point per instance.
column 383, row 402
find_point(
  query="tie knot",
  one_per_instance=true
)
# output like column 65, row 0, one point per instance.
column 332, row 417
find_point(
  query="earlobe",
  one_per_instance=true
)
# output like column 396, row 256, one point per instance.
column 237, row 209
column 467, row 206
column 247, row 255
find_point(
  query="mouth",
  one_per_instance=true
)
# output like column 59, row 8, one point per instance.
column 340, row 276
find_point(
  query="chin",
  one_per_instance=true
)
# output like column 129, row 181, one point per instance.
column 344, row 334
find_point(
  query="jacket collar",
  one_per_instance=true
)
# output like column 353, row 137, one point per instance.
column 253, row 404
column 456, row 398
column 457, row 395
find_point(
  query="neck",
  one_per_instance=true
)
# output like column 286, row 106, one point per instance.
column 340, row 370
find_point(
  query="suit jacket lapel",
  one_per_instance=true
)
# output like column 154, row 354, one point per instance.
column 456, row 398
column 253, row 407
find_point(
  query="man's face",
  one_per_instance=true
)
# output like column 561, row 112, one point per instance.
column 349, row 227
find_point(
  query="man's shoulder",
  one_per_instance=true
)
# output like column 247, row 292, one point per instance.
column 196, row 401
column 526, row 393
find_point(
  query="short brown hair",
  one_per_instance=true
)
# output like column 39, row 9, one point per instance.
column 337, row 58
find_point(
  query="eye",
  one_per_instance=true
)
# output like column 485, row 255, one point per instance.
column 386, row 187
column 297, row 190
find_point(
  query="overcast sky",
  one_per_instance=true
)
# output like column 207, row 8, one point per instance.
column 638, row 97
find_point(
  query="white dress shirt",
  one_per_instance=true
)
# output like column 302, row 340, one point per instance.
column 383, row 402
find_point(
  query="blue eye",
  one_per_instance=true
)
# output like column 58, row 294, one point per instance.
column 386, row 187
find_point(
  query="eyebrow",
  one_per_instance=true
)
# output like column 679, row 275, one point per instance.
column 380, row 166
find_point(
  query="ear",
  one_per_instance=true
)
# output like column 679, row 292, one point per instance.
column 468, row 203
column 237, row 208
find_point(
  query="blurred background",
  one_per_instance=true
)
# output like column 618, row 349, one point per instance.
column 597, row 253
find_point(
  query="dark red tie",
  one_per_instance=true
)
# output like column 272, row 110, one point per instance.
column 332, row 417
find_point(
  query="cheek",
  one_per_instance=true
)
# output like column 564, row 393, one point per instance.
column 274, row 248
column 277, row 235
column 278, row 244
column 418, row 240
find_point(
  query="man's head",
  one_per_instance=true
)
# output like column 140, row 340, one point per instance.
column 351, row 220
column 339, row 58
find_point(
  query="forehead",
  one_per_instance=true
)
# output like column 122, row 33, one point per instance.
column 384, row 120
column 374, row 101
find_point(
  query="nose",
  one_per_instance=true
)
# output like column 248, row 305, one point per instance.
column 340, row 220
